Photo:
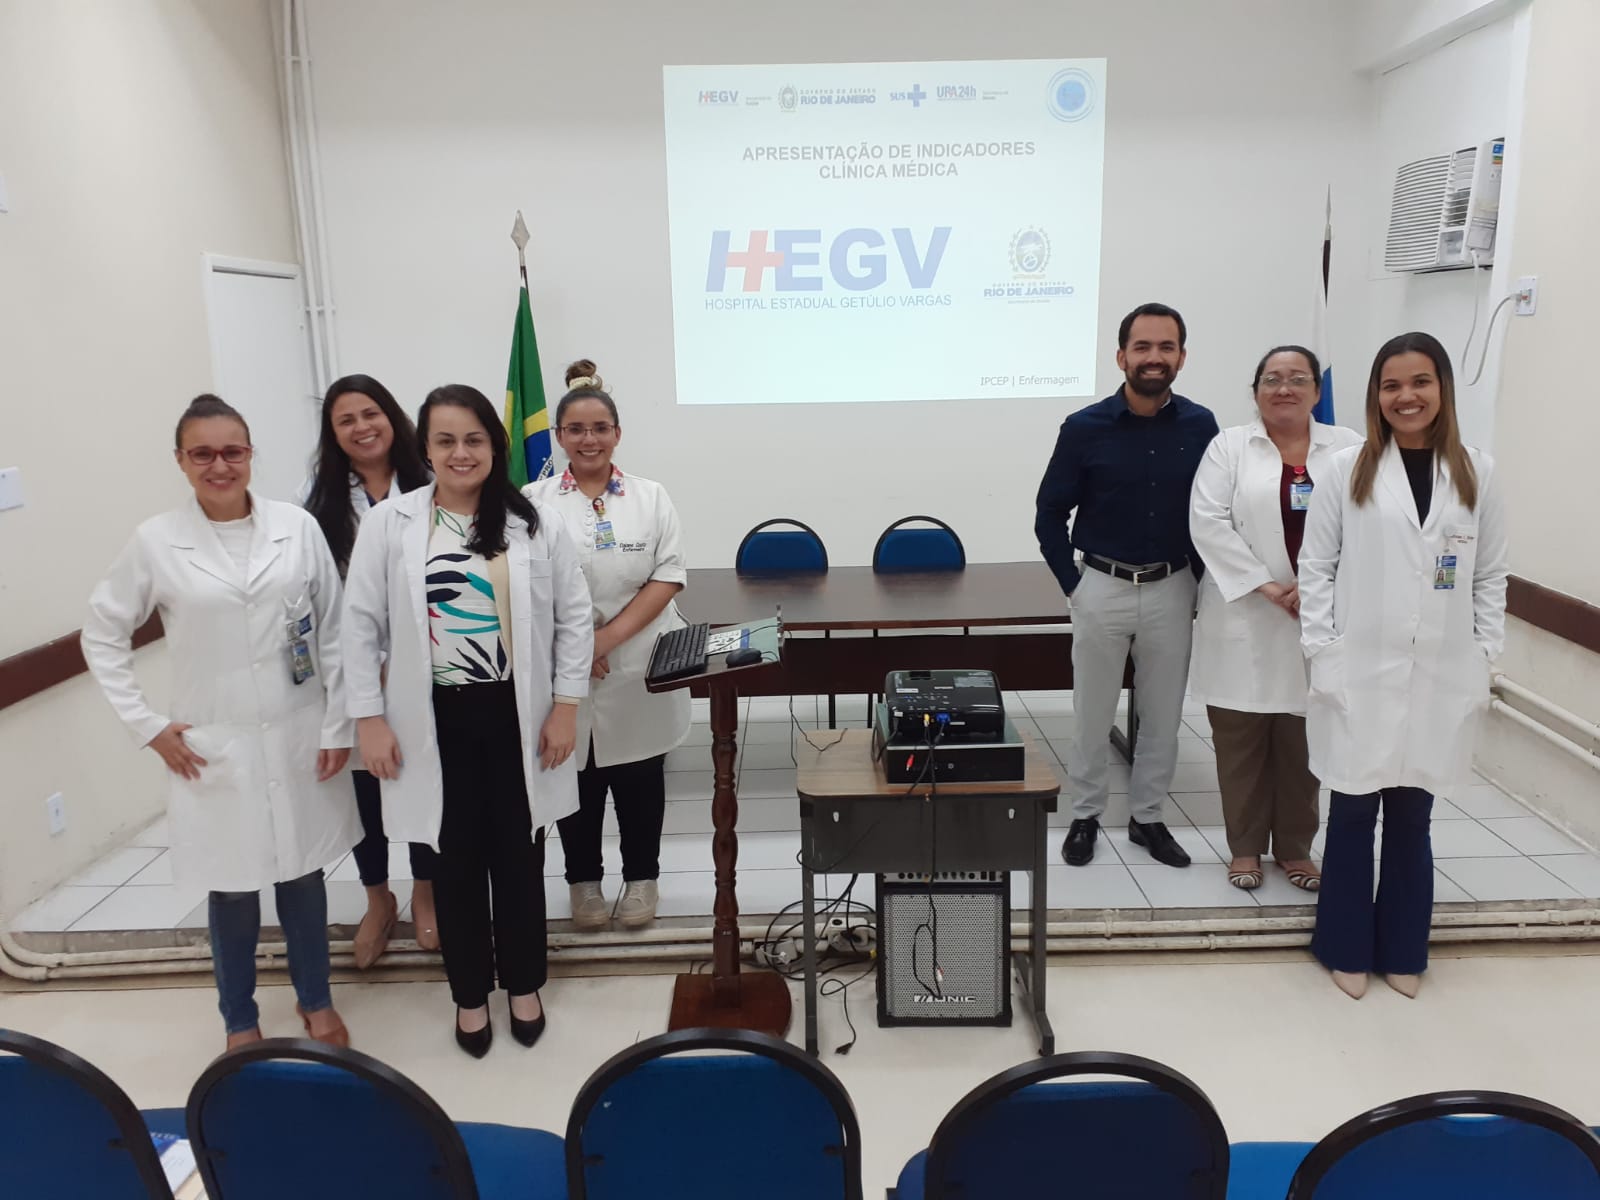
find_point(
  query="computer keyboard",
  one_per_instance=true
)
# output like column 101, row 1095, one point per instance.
column 679, row 652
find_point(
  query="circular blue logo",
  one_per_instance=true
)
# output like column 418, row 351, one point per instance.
column 1071, row 95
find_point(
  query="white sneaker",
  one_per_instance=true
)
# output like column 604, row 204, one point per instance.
column 590, row 912
column 637, row 906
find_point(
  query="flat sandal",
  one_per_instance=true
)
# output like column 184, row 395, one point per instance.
column 1306, row 881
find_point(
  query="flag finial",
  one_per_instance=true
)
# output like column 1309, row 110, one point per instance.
column 519, row 235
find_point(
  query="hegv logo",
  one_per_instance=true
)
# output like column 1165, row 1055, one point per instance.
column 795, row 259
column 719, row 97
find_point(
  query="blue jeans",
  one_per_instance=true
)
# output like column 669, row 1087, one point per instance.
column 235, row 928
column 1390, row 935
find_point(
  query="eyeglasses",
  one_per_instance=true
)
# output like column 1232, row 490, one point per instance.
column 1271, row 382
column 204, row 456
column 600, row 429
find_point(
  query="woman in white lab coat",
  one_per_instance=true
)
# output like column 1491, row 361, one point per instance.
column 626, row 531
column 256, row 735
column 475, row 599
column 1402, row 610
column 1247, row 518
column 367, row 453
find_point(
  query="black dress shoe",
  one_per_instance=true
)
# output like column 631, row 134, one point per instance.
column 1078, row 849
column 528, row 1032
column 1157, row 838
column 475, row 1044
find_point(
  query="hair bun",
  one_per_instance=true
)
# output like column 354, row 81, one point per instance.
column 584, row 373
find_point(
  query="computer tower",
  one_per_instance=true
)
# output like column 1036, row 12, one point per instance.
column 966, row 915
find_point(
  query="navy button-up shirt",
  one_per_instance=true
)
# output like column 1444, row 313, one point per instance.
column 1128, row 477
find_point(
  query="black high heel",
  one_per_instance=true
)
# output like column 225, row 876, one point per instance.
column 476, row 1044
column 528, row 1032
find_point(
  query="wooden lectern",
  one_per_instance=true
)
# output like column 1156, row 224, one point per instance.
column 729, row 998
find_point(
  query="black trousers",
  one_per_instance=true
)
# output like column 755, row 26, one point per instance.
column 372, row 851
column 487, row 848
column 639, row 790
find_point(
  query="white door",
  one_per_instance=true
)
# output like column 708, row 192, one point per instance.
column 260, row 358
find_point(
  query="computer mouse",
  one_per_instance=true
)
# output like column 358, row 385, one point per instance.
column 744, row 657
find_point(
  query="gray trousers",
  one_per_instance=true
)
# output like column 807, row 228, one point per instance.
column 1155, row 620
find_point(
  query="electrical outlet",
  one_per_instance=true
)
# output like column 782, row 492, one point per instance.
column 1527, row 294
column 10, row 488
column 56, row 807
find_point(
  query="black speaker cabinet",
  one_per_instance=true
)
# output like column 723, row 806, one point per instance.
column 963, row 918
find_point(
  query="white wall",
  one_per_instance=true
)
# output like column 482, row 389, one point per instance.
column 1390, row 32
column 1549, row 425
column 135, row 135
column 1458, row 95
column 1226, row 123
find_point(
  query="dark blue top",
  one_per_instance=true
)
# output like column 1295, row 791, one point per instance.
column 1129, row 478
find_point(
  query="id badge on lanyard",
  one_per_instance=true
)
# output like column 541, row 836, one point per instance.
column 298, row 630
column 605, row 537
column 1299, row 491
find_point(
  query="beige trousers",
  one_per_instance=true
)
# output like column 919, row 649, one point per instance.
column 1269, row 795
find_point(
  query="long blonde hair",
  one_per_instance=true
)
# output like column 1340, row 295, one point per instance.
column 1444, row 436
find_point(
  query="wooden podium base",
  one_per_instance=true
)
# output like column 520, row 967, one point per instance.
column 758, row 1001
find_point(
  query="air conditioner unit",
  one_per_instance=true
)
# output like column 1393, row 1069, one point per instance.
column 1444, row 210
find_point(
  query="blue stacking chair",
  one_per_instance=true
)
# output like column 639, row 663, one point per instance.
column 294, row 1118
column 665, row 1119
column 1262, row 1170
column 1455, row 1145
column 1035, row 1130
column 904, row 551
column 932, row 548
column 769, row 551
column 67, row 1130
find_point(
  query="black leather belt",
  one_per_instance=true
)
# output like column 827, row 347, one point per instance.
column 1135, row 575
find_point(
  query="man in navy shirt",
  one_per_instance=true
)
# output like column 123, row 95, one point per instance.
column 1126, row 466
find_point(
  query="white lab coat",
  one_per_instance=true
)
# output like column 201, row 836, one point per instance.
column 358, row 494
column 361, row 505
column 257, row 814
column 1399, row 668
column 386, row 613
column 1246, row 649
column 627, row 721
column 359, row 502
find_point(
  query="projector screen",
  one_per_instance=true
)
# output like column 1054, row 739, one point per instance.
column 884, row 231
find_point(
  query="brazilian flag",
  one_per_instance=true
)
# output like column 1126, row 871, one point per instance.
column 527, row 421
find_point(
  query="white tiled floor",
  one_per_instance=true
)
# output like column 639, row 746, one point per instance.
column 1487, row 846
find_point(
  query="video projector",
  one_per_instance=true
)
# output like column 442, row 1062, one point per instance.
column 945, row 727
column 966, row 703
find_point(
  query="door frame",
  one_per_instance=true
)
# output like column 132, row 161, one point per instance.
column 212, row 265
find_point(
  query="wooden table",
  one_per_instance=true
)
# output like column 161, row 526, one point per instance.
column 853, row 820
column 982, row 601
column 977, row 604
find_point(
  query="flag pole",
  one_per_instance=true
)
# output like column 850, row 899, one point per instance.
column 1327, row 240
column 1323, row 411
column 519, row 235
